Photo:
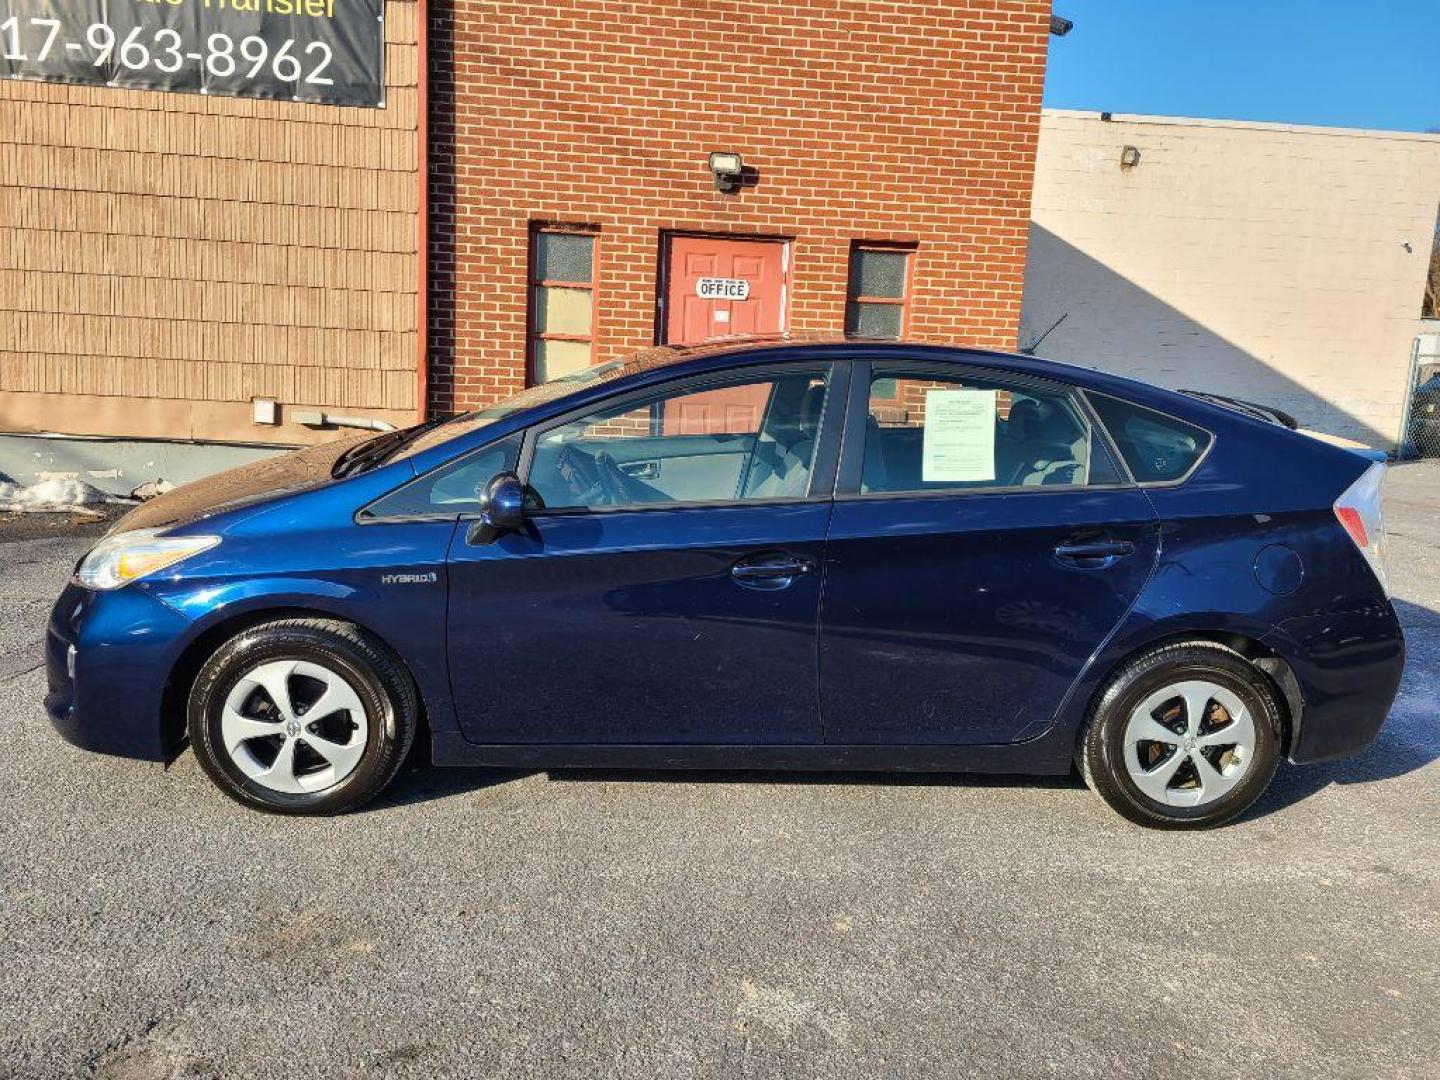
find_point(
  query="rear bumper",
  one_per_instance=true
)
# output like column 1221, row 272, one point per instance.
column 107, row 694
column 1348, row 667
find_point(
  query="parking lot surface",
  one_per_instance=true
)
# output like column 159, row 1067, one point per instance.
column 478, row 923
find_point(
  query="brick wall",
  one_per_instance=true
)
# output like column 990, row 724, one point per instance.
column 905, row 121
column 165, row 257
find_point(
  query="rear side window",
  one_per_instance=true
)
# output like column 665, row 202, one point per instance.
column 1158, row 448
column 937, row 432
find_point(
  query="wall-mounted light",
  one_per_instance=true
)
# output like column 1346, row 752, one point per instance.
column 1129, row 157
column 727, row 167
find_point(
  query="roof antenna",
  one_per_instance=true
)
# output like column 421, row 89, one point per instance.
column 1029, row 350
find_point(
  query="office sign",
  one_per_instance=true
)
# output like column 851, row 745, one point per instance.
column 324, row 51
column 722, row 288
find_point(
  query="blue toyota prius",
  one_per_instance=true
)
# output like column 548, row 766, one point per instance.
column 826, row 555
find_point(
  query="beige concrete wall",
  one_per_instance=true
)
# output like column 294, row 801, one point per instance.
column 1259, row 260
column 164, row 258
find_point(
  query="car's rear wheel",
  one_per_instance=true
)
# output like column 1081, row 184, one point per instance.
column 1184, row 737
column 302, row 716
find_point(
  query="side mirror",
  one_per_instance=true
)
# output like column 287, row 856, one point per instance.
column 502, row 508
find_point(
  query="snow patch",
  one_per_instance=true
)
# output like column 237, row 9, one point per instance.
column 54, row 494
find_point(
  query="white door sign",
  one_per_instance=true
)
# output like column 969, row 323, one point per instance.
column 722, row 288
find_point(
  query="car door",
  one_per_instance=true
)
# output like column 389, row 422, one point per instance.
column 666, row 586
column 984, row 544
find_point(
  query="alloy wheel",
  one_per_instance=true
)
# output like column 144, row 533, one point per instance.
column 294, row 726
column 1189, row 743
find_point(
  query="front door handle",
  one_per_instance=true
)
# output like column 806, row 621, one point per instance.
column 769, row 571
column 641, row 470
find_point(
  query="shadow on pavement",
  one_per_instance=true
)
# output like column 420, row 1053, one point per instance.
column 419, row 782
column 422, row 782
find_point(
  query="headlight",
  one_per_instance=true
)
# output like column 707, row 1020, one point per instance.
column 120, row 559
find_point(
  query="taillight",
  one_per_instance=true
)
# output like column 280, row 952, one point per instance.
column 1354, row 525
column 1361, row 514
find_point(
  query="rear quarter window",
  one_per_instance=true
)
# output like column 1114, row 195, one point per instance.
column 1158, row 448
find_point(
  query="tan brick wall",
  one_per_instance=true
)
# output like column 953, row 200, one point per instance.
column 166, row 257
column 1277, row 263
column 907, row 121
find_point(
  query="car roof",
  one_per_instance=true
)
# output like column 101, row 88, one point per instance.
column 669, row 361
column 776, row 348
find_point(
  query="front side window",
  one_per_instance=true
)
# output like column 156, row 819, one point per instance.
column 928, row 433
column 1159, row 449
column 750, row 439
column 562, row 302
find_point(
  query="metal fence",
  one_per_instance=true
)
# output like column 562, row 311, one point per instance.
column 1422, row 435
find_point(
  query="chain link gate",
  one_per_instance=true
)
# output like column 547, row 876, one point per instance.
column 1422, row 435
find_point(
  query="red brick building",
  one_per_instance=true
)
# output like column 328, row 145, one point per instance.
column 534, row 195
column 572, row 210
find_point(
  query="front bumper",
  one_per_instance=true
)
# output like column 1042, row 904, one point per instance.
column 1348, row 667
column 108, row 694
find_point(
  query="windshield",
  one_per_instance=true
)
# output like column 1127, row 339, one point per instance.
column 526, row 399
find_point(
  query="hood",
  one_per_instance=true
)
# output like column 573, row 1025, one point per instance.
column 284, row 474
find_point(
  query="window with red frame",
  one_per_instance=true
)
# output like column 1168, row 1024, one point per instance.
column 562, row 301
column 879, row 290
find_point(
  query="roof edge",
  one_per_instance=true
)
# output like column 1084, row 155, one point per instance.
column 1258, row 125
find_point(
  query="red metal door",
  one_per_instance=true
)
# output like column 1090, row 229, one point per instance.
column 691, row 317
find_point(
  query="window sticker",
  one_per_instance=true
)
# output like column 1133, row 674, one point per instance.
column 959, row 436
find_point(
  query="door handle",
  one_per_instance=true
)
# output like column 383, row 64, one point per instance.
column 1094, row 555
column 641, row 470
column 770, row 572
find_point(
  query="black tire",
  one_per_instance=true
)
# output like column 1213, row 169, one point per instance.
column 383, row 687
column 1100, row 753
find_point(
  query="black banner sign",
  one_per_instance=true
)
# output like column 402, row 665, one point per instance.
column 326, row 51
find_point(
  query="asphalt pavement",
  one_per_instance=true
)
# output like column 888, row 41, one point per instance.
column 476, row 923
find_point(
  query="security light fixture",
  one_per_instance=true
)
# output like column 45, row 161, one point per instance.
column 727, row 167
column 1060, row 26
column 1129, row 157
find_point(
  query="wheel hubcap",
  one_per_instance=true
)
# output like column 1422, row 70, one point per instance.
column 1189, row 743
column 294, row 726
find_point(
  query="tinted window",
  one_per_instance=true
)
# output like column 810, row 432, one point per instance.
column 926, row 433
column 746, row 440
column 449, row 490
column 1157, row 447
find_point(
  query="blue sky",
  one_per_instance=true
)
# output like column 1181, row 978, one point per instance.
column 1342, row 63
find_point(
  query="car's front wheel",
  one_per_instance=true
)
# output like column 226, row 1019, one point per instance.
column 302, row 716
column 1184, row 737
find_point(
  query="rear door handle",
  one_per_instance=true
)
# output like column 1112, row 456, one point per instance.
column 1100, row 549
column 769, row 571
column 1094, row 554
